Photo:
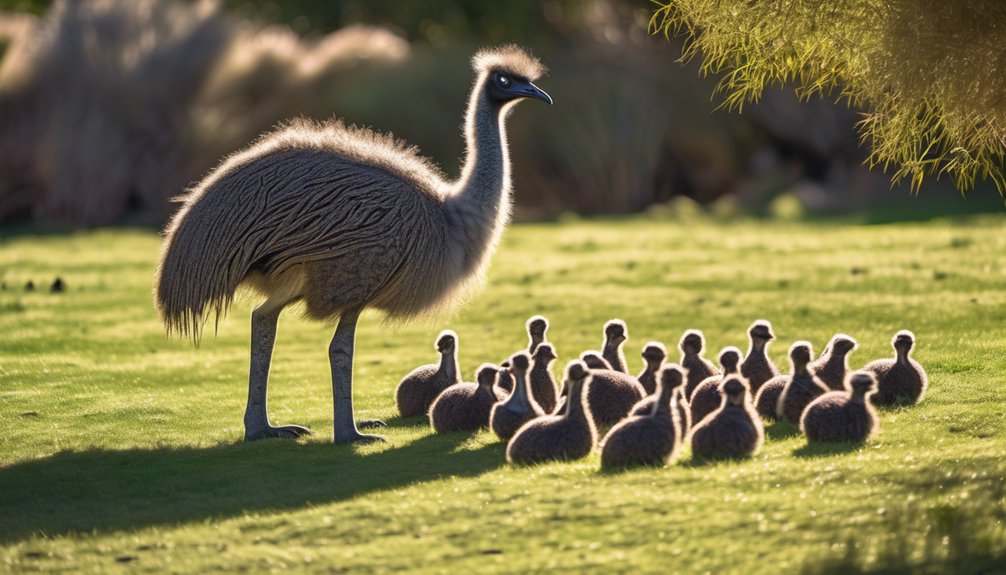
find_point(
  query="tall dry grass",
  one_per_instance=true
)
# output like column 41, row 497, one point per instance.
column 110, row 107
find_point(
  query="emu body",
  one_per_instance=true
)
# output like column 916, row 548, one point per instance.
column 343, row 219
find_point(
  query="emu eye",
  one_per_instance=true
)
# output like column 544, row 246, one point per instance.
column 502, row 80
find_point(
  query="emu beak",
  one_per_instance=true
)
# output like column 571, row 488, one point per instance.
column 531, row 91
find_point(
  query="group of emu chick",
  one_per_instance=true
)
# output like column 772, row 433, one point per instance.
column 649, row 416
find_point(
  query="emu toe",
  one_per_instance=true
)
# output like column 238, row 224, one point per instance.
column 358, row 437
column 370, row 423
column 282, row 431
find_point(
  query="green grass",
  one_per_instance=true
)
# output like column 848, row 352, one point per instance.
column 120, row 450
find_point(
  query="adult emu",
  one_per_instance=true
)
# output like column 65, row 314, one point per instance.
column 342, row 219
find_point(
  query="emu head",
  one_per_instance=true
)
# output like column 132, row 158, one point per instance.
column 842, row 343
column 734, row 388
column 761, row 330
column 509, row 72
column 654, row 352
column 863, row 382
column 447, row 341
column 672, row 376
column 692, row 342
column 729, row 358
column 903, row 341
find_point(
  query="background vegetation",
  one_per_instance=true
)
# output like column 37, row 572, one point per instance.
column 120, row 451
column 163, row 89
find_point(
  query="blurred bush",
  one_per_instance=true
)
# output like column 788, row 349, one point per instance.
column 110, row 108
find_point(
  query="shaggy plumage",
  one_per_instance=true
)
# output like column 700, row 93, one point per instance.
column 417, row 390
column 757, row 366
column 833, row 364
column 594, row 360
column 342, row 219
column 511, row 59
column 611, row 395
column 707, row 398
column 650, row 439
column 803, row 387
column 543, row 386
column 504, row 380
column 902, row 379
column 567, row 435
column 615, row 335
column 843, row 416
column 732, row 431
column 692, row 344
column 508, row 415
column 767, row 401
column 537, row 326
column 654, row 354
column 678, row 401
column 466, row 406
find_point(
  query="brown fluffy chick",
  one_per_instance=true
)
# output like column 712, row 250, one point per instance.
column 508, row 415
column 611, row 395
column 543, row 386
column 692, row 344
column 466, row 406
column 707, row 398
column 536, row 326
column 563, row 436
column 803, row 387
column 732, row 431
column 757, row 366
column 615, row 335
column 654, row 354
column 902, row 379
column 675, row 379
column 843, row 416
column 833, row 365
column 416, row 391
column 650, row 439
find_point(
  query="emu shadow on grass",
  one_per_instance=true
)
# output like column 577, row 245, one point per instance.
column 116, row 490
column 781, row 430
column 826, row 448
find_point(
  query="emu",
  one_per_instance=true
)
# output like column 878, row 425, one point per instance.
column 537, row 326
column 902, row 379
column 654, row 354
column 615, row 335
column 833, row 364
column 757, row 365
column 343, row 219
column 650, row 439
column 417, row 390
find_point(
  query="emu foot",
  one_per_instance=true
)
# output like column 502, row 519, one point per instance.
column 357, row 437
column 370, row 423
column 283, row 431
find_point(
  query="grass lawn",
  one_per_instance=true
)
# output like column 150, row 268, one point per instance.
column 120, row 450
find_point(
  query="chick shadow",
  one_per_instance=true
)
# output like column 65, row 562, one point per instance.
column 779, row 430
column 826, row 449
column 107, row 490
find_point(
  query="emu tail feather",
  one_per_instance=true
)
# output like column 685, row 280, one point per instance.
column 201, row 265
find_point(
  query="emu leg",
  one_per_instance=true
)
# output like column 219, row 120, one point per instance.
column 263, row 337
column 340, row 354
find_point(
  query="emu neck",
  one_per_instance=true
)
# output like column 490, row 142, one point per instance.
column 663, row 404
column 613, row 355
column 901, row 355
column 858, row 396
column 756, row 347
column 574, row 403
column 519, row 395
column 479, row 208
column 535, row 340
column 449, row 365
column 800, row 368
column 730, row 368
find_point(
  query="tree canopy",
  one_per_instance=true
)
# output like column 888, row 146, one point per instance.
column 930, row 75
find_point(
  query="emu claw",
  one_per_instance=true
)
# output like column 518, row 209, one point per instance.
column 370, row 423
column 358, row 437
column 281, row 432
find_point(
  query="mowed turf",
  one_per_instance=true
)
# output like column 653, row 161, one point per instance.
column 120, row 450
